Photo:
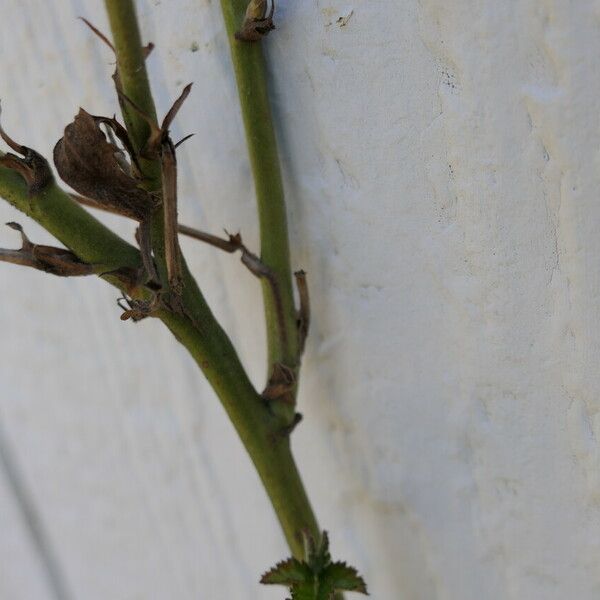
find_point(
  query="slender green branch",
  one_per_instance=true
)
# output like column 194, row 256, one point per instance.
column 263, row 433
column 132, row 76
column 250, row 73
column 132, row 80
column 268, row 448
column 206, row 341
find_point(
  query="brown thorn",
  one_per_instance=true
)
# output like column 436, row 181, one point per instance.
column 175, row 108
column 10, row 142
column 287, row 431
column 26, row 243
column 147, row 49
column 99, row 34
column 184, row 139
column 304, row 311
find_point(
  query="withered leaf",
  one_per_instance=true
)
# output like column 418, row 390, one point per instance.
column 89, row 163
column 172, row 250
column 280, row 384
column 257, row 23
column 58, row 261
column 33, row 167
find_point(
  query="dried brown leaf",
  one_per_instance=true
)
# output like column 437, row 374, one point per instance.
column 32, row 166
column 257, row 23
column 88, row 162
column 280, row 385
column 169, row 183
column 58, row 261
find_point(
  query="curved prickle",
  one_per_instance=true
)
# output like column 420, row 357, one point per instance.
column 32, row 166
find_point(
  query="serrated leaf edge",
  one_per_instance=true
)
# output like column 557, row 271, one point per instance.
column 281, row 566
column 352, row 573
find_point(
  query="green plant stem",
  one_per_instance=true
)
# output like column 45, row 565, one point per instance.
column 132, row 75
column 197, row 330
column 259, row 429
column 134, row 83
column 250, row 73
column 268, row 446
column 206, row 341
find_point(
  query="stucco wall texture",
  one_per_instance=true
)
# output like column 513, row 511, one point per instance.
column 442, row 174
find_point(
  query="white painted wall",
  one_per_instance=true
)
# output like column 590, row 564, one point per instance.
column 441, row 163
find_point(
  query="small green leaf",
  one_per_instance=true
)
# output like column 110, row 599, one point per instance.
column 288, row 572
column 315, row 578
column 342, row 578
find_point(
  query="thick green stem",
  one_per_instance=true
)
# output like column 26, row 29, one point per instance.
column 250, row 73
column 132, row 75
column 261, row 432
column 132, row 78
column 200, row 333
column 268, row 447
